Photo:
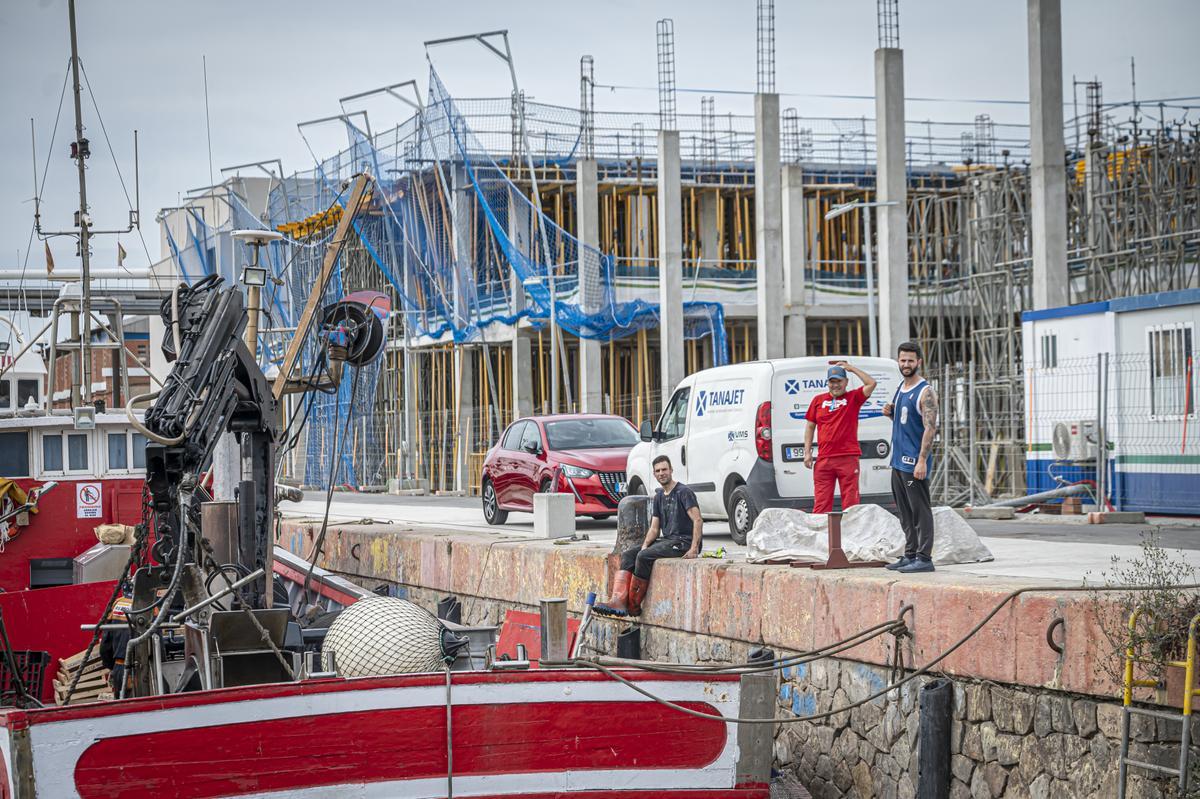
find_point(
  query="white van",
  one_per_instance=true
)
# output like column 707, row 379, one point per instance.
column 735, row 435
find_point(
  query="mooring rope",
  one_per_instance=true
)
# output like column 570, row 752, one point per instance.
column 882, row 692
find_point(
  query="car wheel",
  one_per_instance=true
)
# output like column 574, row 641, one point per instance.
column 492, row 512
column 601, row 516
column 546, row 486
column 742, row 512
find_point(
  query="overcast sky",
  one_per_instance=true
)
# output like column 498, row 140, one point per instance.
column 272, row 63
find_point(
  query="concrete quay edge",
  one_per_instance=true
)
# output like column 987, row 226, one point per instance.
column 785, row 608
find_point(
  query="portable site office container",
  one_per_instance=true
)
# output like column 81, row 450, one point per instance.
column 1134, row 358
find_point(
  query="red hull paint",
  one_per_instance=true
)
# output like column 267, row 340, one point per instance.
column 48, row 619
column 56, row 532
column 523, row 627
column 380, row 746
column 570, row 737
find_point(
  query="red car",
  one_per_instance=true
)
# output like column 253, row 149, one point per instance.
column 581, row 454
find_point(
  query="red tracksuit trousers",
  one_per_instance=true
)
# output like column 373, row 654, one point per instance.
column 840, row 469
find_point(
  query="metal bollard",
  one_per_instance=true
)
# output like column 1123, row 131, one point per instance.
column 554, row 631
column 633, row 521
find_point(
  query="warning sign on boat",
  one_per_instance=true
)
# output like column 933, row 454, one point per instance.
column 89, row 501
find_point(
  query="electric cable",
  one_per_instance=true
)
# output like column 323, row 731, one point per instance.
column 333, row 463
column 883, row 691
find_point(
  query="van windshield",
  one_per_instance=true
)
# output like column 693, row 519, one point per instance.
column 590, row 434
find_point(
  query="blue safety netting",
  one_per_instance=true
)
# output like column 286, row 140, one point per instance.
column 452, row 231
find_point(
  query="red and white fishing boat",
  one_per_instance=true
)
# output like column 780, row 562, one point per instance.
column 535, row 733
column 506, row 729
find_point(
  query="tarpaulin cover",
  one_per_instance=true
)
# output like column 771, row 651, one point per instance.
column 868, row 533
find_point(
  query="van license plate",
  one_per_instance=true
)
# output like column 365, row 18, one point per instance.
column 793, row 452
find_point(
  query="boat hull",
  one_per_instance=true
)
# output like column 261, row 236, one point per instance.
column 570, row 733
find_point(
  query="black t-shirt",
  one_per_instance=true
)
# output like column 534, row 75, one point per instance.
column 671, row 510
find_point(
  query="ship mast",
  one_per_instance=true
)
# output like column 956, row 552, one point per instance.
column 82, row 221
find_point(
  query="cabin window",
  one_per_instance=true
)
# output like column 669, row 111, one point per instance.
column 52, row 460
column 5, row 394
column 126, row 451
column 77, row 452
column 14, row 453
column 118, row 451
column 27, row 390
column 1172, row 371
column 71, row 453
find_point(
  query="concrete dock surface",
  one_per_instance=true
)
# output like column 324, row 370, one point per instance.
column 1045, row 547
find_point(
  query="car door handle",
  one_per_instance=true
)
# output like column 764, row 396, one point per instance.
column 683, row 456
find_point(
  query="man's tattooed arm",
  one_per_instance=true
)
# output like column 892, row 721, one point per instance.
column 929, row 415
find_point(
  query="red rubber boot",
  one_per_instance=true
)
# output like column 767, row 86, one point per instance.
column 617, row 604
column 637, row 592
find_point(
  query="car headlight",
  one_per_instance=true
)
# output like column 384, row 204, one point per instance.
column 576, row 471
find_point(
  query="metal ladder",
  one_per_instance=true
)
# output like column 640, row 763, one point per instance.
column 1185, row 718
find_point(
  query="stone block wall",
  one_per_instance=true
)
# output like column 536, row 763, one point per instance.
column 1006, row 742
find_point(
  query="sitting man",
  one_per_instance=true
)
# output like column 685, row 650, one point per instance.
column 676, row 515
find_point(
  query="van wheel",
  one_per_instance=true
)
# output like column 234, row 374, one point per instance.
column 742, row 512
column 492, row 512
column 636, row 489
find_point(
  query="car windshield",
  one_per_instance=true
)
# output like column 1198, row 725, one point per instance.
column 590, row 433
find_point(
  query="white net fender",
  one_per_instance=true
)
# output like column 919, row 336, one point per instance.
column 383, row 635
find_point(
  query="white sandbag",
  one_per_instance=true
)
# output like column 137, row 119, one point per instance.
column 955, row 541
column 868, row 533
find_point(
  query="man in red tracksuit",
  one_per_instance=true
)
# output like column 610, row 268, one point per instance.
column 833, row 416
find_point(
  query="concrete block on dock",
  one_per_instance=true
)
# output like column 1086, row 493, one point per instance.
column 1117, row 517
column 989, row 513
column 553, row 515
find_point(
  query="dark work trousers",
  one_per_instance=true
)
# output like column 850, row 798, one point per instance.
column 916, row 513
column 641, row 561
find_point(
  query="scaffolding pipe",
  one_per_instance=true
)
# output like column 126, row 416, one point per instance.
column 1054, row 493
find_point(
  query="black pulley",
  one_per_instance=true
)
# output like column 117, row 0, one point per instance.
column 354, row 327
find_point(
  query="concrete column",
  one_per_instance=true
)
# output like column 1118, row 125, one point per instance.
column 891, row 180
column 464, row 402
column 709, row 202
column 795, row 246
column 522, row 377
column 522, row 350
column 768, row 225
column 591, row 286
column 670, row 265
column 464, row 371
column 1048, row 181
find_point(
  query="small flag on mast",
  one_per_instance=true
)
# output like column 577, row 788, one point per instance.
column 120, row 254
column 49, row 258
